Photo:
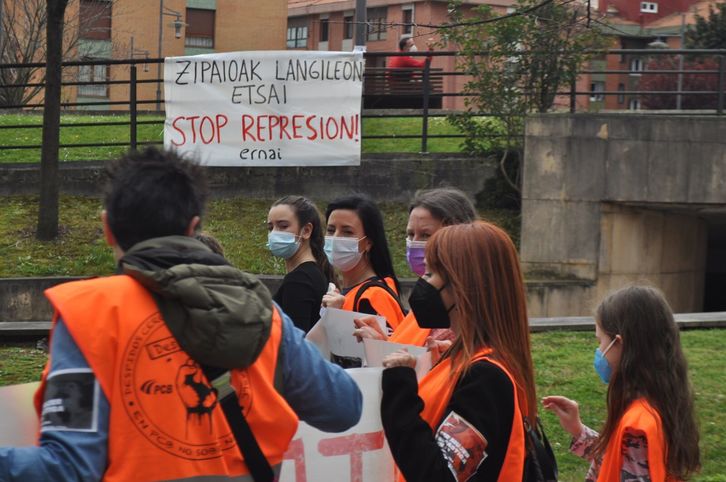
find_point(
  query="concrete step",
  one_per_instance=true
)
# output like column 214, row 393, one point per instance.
column 686, row 321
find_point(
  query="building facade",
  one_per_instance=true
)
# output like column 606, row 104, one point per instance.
column 120, row 29
column 330, row 25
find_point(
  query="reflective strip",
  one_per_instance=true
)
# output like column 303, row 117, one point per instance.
column 222, row 385
column 224, row 478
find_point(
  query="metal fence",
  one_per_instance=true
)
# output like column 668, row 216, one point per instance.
column 678, row 80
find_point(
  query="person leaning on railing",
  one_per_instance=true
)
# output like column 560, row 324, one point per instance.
column 406, row 44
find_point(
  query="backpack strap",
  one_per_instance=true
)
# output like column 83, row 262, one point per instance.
column 378, row 283
column 256, row 462
column 540, row 461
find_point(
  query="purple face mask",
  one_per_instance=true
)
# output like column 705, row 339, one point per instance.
column 415, row 256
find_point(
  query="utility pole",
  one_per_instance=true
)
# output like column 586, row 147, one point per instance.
column 360, row 23
column 158, row 65
column 680, row 63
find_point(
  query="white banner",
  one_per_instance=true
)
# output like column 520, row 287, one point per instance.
column 266, row 108
column 360, row 454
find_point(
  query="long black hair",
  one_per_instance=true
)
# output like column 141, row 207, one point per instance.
column 306, row 212
column 372, row 220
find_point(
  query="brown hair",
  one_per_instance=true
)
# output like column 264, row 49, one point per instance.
column 479, row 261
column 652, row 366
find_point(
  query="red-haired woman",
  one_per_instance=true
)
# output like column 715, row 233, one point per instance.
column 464, row 420
column 650, row 432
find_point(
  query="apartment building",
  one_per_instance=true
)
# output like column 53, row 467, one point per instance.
column 329, row 25
column 121, row 29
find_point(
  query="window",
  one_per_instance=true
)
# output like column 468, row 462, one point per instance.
column 596, row 91
column 407, row 20
column 648, row 7
column 297, row 33
column 348, row 27
column 634, row 104
column 200, row 28
column 324, row 30
column 94, row 22
column 636, row 66
column 621, row 93
column 376, row 18
column 93, row 73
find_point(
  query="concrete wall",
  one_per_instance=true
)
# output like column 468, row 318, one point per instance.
column 389, row 177
column 22, row 299
column 611, row 199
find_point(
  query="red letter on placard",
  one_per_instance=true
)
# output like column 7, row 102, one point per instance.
column 296, row 453
column 354, row 445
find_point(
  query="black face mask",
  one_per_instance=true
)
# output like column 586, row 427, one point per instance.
column 428, row 307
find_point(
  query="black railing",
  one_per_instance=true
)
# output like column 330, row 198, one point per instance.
column 402, row 93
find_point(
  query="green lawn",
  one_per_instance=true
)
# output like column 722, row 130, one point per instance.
column 563, row 363
column 238, row 223
column 154, row 133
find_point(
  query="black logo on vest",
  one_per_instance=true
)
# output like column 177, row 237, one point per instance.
column 187, row 425
column 151, row 387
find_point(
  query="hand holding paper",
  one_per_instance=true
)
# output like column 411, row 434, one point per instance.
column 400, row 358
column 368, row 327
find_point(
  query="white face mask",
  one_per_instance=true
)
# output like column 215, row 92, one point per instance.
column 413, row 48
column 343, row 252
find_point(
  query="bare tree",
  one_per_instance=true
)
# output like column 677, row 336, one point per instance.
column 49, row 185
column 22, row 34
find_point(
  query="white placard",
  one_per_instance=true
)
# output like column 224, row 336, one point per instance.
column 333, row 335
column 359, row 454
column 18, row 420
column 377, row 350
column 265, row 108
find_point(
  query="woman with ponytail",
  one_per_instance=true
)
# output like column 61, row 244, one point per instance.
column 296, row 235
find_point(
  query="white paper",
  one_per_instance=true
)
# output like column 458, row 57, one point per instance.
column 377, row 350
column 333, row 335
column 18, row 419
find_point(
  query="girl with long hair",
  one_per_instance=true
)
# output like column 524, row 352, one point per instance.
column 465, row 420
column 296, row 235
column 356, row 245
column 650, row 432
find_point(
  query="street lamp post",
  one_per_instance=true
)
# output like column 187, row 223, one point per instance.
column 178, row 24
column 680, row 64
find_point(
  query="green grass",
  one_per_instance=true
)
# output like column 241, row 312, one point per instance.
column 563, row 363
column 238, row 223
column 154, row 133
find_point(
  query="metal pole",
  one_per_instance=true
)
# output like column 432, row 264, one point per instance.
column 721, row 83
column 158, row 65
column 573, row 96
column 133, row 110
column 680, row 64
column 425, row 120
column 360, row 23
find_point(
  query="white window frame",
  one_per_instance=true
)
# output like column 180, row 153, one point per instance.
column 648, row 7
column 408, row 29
column 597, row 87
column 636, row 66
column 634, row 104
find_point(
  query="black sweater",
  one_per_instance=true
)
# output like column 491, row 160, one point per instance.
column 300, row 294
column 484, row 397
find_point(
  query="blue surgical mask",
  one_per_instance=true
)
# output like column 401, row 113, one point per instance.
column 343, row 252
column 415, row 256
column 283, row 244
column 602, row 367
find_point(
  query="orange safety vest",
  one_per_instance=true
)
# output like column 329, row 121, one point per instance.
column 379, row 299
column 641, row 416
column 435, row 390
column 409, row 333
column 164, row 422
